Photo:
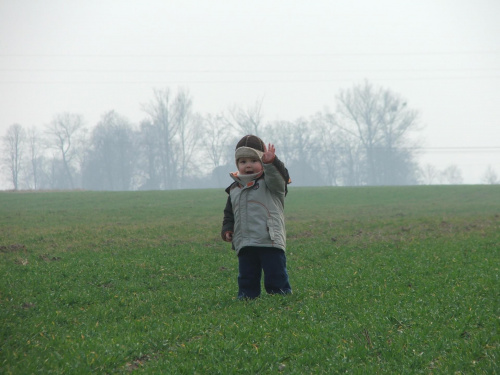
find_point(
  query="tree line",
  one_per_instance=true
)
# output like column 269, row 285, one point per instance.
column 367, row 140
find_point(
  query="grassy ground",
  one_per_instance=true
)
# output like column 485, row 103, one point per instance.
column 386, row 280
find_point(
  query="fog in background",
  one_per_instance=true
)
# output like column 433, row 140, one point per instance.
column 88, row 58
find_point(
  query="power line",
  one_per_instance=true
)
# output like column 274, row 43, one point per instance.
column 457, row 150
column 247, row 55
column 460, row 148
column 53, row 70
column 257, row 81
column 426, row 149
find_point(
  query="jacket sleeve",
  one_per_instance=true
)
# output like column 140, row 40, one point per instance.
column 280, row 166
column 228, row 221
column 276, row 176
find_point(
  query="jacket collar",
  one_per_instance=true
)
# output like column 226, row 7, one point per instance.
column 246, row 180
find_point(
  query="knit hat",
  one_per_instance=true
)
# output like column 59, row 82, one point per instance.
column 250, row 146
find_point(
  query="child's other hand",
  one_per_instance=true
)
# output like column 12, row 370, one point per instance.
column 228, row 236
column 269, row 154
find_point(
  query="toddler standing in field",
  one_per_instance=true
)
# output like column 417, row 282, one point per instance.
column 254, row 219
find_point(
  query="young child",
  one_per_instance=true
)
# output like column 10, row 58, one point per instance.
column 254, row 220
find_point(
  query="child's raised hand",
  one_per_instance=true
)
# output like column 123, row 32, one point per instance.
column 269, row 154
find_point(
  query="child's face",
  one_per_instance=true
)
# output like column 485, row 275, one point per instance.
column 249, row 165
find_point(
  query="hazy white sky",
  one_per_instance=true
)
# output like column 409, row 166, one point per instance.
column 89, row 57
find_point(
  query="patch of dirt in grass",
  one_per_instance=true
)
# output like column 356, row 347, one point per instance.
column 21, row 261
column 465, row 335
column 12, row 248
column 47, row 258
column 137, row 362
column 305, row 234
column 106, row 285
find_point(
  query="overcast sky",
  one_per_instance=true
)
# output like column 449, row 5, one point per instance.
column 89, row 57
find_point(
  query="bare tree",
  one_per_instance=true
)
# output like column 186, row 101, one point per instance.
column 35, row 156
column 337, row 152
column 110, row 161
column 161, row 113
column 218, row 148
column 188, row 136
column 175, row 125
column 246, row 121
column 298, row 146
column 14, row 143
column 490, row 176
column 149, row 160
column 343, row 150
column 217, row 135
column 429, row 174
column 62, row 135
column 281, row 133
column 451, row 175
column 381, row 122
column 352, row 163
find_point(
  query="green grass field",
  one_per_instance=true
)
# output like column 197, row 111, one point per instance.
column 386, row 280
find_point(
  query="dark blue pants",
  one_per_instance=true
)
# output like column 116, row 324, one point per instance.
column 252, row 261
